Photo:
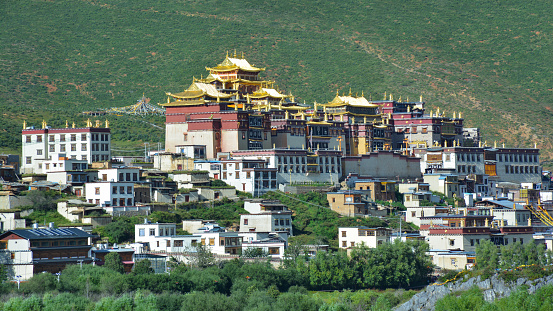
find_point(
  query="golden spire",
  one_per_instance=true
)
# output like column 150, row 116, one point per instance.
column 234, row 53
column 391, row 97
column 460, row 117
column 495, row 144
column 337, row 94
column 44, row 124
column 286, row 115
column 24, row 124
column 88, row 123
column 349, row 92
column 431, row 113
column 385, row 95
column 107, row 123
column 97, row 123
column 66, row 124
column 362, row 93
column 227, row 53
column 454, row 115
column 420, row 99
column 503, row 145
column 399, row 99
column 407, row 98
column 73, row 125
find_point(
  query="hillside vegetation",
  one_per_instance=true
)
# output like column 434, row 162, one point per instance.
column 485, row 58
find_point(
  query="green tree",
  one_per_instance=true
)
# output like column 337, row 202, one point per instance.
column 487, row 256
column 202, row 257
column 113, row 262
column 143, row 266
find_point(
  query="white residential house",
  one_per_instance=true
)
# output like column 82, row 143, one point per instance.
column 66, row 171
column 252, row 176
column 11, row 219
column 107, row 193
column 91, row 144
column 349, row 237
column 152, row 232
column 266, row 216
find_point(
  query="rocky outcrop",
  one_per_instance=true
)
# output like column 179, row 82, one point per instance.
column 492, row 288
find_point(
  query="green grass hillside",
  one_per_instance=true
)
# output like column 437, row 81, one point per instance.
column 488, row 59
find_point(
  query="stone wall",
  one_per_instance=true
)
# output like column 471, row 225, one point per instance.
column 493, row 288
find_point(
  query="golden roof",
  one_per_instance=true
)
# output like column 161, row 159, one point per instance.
column 184, row 103
column 266, row 92
column 198, row 89
column 215, row 77
column 235, row 63
column 353, row 101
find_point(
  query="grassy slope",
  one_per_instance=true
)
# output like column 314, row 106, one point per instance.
column 486, row 58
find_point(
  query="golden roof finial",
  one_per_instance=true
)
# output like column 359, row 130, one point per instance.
column 242, row 54
column 385, row 96
column 407, row 98
column 503, row 144
column 44, row 124
column 352, row 120
column 286, row 115
column 234, row 53
column 535, row 145
column 349, row 92
column 391, row 96
column 495, row 144
column 362, row 93
column 107, row 123
column 73, row 125
column 66, row 124
column 24, row 124
column 454, row 115
column 460, row 117
column 356, row 94
column 88, row 123
column 399, row 99
column 97, row 123
column 227, row 53
column 408, row 108
column 431, row 113
column 337, row 94
column 420, row 99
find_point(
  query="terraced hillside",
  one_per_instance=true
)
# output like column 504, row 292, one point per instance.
column 488, row 59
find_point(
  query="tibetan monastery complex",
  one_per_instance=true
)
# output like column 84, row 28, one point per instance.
column 235, row 113
column 234, row 108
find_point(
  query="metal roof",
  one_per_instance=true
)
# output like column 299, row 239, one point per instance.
column 55, row 233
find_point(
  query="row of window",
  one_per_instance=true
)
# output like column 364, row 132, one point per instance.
column 63, row 137
column 466, row 169
column 58, row 243
column 127, row 177
column 510, row 169
column 152, row 232
column 517, row 157
column 121, row 190
column 115, row 202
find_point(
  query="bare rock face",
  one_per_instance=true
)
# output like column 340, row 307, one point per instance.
column 492, row 288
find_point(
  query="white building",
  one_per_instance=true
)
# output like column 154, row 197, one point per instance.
column 266, row 216
column 10, row 220
column 119, row 174
column 250, row 176
column 91, row 144
column 349, row 237
column 106, row 193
